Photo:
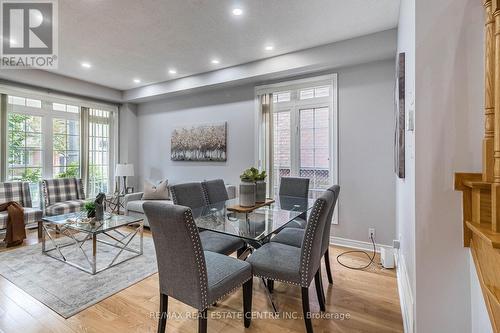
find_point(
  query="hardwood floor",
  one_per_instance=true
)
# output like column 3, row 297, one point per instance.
column 358, row 301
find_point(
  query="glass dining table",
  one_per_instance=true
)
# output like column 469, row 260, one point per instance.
column 255, row 227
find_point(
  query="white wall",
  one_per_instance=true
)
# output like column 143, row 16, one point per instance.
column 405, row 188
column 366, row 176
column 449, row 101
column 365, row 115
column 128, row 139
column 157, row 120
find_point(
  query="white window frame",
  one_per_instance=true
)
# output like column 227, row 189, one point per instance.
column 294, row 106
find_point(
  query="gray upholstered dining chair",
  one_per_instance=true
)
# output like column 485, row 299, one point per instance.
column 186, row 272
column 297, row 187
column 294, row 236
column 294, row 187
column 298, row 266
column 193, row 196
column 215, row 190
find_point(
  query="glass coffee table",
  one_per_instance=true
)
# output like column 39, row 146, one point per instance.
column 77, row 234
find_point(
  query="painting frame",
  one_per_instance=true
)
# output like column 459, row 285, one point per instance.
column 199, row 142
column 400, row 118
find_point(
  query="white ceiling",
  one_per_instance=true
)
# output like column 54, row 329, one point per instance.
column 127, row 39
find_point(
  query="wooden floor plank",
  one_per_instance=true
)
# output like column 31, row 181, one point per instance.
column 369, row 299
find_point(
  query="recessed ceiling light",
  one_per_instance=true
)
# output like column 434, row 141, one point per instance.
column 86, row 65
column 237, row 11
column 215, row 61
column 269, row 48
column 172, row 71
column 137, row 80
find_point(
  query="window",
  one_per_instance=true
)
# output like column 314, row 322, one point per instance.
column 281, row 97
column 282, row 140
column 15, row 100
column 65, row 108
column 303, row 132
column 314, row 157
column 316, row 92
column 99, row 151
column 44, row 140
column 66, row 148
column 24, row 147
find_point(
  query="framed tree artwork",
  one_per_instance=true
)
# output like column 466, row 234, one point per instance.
column 199, row 143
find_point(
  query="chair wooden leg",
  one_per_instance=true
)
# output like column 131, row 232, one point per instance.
column 305, row 309
column 247, row 302
column 162, row 321
column 327, row 265
column 202, row 321
column 270, row 285
column 319, row 290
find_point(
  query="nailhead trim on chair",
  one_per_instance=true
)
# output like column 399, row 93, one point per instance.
column 308, row 240
column 277, row 279
column 234, row 289
column 205, row 193
column 174, row 197
column 199, row 257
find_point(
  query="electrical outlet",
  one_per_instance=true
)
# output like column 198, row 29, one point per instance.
column 371, row 233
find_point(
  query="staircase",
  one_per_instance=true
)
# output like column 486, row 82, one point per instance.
column 481, row 191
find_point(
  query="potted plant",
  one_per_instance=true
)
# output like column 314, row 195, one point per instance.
column 260, row 187
column 248, row 187
column 89, row 207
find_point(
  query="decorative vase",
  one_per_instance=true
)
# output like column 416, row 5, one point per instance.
column 99, row 212
column 260, row 191
column 247, row 194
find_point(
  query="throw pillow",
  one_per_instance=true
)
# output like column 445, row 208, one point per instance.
column 156, row 192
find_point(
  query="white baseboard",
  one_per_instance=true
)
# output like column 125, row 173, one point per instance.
column 405, row 294
column 355, row 244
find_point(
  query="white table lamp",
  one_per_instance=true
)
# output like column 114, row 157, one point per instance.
column 124, row 170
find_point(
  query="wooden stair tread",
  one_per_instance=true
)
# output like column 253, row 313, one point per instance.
column 484, row 231
column 478, row 184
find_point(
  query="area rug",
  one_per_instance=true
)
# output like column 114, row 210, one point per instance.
column 66, row 289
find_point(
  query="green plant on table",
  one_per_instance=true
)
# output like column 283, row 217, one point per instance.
column 89, row 206
column 252, row 175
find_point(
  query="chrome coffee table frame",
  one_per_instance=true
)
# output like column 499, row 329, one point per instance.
column 120, row 240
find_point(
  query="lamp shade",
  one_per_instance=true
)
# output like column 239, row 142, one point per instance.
column 124, row 170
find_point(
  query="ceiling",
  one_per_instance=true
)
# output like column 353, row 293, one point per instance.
column 125, row 40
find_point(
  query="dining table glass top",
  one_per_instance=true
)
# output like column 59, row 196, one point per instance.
column 256, row 225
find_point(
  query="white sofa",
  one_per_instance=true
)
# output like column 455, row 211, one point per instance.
column 133, row 203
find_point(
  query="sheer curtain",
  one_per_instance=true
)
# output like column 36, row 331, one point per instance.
column 266, row 139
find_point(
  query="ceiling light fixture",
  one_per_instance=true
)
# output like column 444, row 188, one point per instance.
column 269, row 48
column 137, row 80
column 86, row 65
column 215, row 61
column 237, row 11
column 172, row 71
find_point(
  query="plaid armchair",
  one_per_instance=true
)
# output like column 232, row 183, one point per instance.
column 62, row 196
column 20, row 193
